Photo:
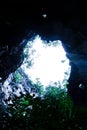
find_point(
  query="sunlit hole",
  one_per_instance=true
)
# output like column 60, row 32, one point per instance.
column 46, row 62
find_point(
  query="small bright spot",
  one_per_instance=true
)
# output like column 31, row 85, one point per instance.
column 46, row 62
column 44, row 15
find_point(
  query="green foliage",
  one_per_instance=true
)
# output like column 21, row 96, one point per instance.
column 27, row 55
column 38, row 87
column 66, row 105
column 64, row 100
column 51, row 112
column 53, row 92
column 19, row 108
column 17, row 76
column 37, row 113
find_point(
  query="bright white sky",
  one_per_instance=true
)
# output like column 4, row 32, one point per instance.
column 49, row 61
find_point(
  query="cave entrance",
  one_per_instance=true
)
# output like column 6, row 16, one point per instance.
column 46, row 62
column 45, row 65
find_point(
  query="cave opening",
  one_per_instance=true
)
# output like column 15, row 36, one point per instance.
column 45, row 64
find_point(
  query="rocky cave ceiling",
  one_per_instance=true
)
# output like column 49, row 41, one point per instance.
column 64, row 20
